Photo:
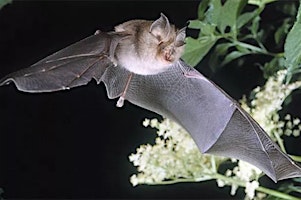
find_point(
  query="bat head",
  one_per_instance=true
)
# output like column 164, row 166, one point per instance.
column 170, row 41
column 152, row 47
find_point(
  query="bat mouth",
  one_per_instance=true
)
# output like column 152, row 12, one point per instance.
column 168, row 57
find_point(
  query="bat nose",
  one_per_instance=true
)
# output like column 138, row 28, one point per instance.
column 168, row 55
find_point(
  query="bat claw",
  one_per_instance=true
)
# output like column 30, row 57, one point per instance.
column 120, row 102
column 113, row 60
column 192, row 74
column 97, row 32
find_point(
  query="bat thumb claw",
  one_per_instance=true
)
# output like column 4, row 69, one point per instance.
column 97, row 32
column 120, row 102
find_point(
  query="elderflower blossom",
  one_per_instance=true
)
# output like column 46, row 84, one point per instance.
column 244, row 172
column 250, row 189
column 268, row 102
column 174, row 156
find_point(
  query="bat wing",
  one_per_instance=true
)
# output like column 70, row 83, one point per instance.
column 215, row 121
column 72, row 66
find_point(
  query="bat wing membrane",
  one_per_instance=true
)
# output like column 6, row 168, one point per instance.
column 72, row 66
column 215, row 121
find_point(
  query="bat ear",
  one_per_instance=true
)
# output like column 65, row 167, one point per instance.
column 180, row 38
column 160, row 26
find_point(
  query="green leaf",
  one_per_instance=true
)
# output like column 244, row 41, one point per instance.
column 232, row 56
column 292, row 47
column 213, row 12
column 4, row 2
column 243, row 49
column 220, row 51
column 282, row 31
column 298, row 180
column 260, row 3
column 196, row 49
column 245, row 18
column 255, row 25
column 270, row 68
column 206, row 29
column 202, row 8
column 230, row 11
column 195, row 24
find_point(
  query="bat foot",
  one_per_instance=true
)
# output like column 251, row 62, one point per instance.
column 188, row 72
column 97, row 32
column 192, row 74
column 113, row 60
column 120, row 102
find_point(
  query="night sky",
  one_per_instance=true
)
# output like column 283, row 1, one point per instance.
column 75, row 144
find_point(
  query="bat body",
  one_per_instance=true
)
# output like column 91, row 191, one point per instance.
column 140, row 62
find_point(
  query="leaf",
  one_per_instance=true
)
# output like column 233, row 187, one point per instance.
column 282, row 31
column 260, row 3
column 232, row 56
column 219, row 51
column 229, row 14
column 298, row 180
column 245, row 18
column 213, row 12
column 196, row 49
column 270, row 68
column 292, row 47
column 222, row 49
column 255, row 25
column 4, row 2
column 206, row 29
column 202, row 8
column 195, row 24
column 290, row 187
column 243, row 49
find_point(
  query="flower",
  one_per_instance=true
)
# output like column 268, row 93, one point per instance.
column 267, row 103
column 173, row 156
column 250, row 189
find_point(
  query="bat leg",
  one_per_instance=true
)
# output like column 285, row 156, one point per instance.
column 188, row 73
column 97, row 32
column 121, row 99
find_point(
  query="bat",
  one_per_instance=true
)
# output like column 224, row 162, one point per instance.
column 140, row 62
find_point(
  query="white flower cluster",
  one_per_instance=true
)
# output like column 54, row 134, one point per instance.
column 175, row 157
column 243, row 172
column 268, row 102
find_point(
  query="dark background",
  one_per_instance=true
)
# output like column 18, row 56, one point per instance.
column 75, row 144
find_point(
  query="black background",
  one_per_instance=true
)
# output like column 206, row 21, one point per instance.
column 75, row 144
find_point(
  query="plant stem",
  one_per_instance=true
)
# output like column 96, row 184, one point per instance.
column 274, row 193
column 280, row 142
column 253, row 48
column 296, row 158
column 228, row 181
column 260, row 3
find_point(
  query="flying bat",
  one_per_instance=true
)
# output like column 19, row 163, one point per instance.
column 140, row 62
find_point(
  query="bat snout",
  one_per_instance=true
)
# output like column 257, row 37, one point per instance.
column 168, row 55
